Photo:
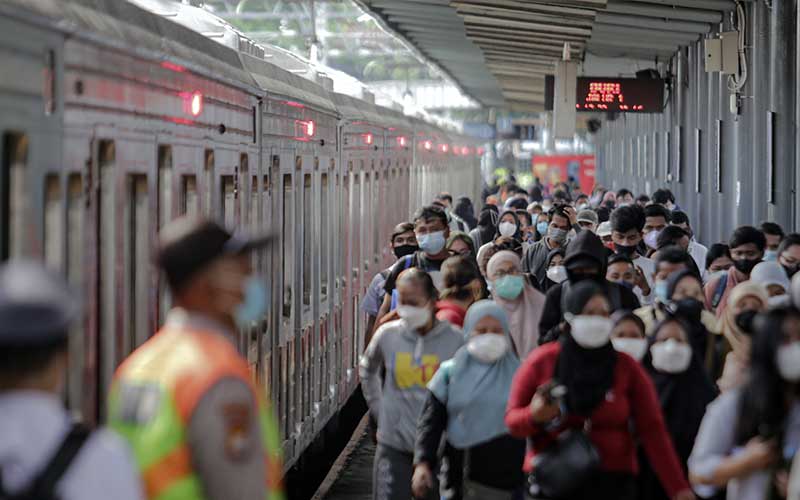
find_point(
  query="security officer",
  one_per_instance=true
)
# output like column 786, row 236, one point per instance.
column 185, row 400
column 43, row 455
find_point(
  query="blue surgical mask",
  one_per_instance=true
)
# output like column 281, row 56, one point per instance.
column 509, row 287
column 256, row 302
column 432, row 243
column 541, row 227
column 770, row 255
column 661, row 290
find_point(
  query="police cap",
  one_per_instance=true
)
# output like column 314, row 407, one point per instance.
column 36, row 305
column 187, row 246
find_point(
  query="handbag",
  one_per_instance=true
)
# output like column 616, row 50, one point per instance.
column 564, row 467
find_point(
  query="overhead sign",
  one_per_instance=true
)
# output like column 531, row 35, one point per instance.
column 621, row 95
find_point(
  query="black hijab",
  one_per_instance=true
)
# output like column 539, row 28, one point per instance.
column 587, row 374
column 547, row 283
column 487, row 223
column 690, row 312
column 683, row 396
column 466, row 211
column 518, row 234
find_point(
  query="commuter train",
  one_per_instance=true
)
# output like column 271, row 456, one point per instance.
column 115, row 120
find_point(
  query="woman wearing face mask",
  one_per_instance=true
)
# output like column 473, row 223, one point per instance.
column 628, row 334
column 466, row 402
column 749, row 434
column 605, row 392
column 487, row 226
column 462, row 286
column 773, row 278
column 556, row 272
column 522, row 302
column 542, row 223
column 409, row 350
column 509, row 226
column 746, row 300
column 684, row 390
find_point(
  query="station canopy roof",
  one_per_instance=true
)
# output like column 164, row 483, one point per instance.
column 498, row 51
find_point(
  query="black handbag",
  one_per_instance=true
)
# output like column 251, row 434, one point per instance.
column 565, row 467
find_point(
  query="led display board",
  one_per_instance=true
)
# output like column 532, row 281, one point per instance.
column 620, row 95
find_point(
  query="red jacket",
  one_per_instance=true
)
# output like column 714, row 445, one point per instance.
column 450, row 312
column 631, row 400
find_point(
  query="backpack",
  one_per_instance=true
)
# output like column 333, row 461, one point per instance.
column 719, row 291
column 43, row 485
column 407, row 263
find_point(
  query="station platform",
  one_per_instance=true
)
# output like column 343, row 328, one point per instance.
column 350, row 478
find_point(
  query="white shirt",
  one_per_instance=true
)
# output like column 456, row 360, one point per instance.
column 698, row 253
column 33, row 425
column 648, row 268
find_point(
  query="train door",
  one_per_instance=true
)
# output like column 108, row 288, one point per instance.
column 308, row 167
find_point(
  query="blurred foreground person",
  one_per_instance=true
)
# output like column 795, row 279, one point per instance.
column 408, row 351
column 185, row 400
column 581, row 389
column 466, row 402
column 43, row 455
column 746, row 301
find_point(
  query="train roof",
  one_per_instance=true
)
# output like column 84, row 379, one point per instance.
column 275, row 80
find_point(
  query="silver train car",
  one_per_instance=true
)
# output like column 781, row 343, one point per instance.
column 115, row 120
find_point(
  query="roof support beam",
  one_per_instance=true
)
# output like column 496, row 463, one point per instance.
column 652, row 23
column 663, row 12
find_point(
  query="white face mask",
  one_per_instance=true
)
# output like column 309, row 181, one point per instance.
column 671, row 356
column 557, row 274
column 415, row 317
column 788, row 360
column 487, row 347
column 590, row 332
column 507, row 229
column 634, row 348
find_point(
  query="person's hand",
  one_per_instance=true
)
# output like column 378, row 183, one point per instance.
column 641, row 281
column 760, row 454
column 782, row 483
column 685, row 495
column 542, row 409
column 572, row 214
column 422, row 481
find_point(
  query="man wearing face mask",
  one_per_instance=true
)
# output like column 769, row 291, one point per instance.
column 789, row 254
column 534, row 260
column 656, row 218
column 626, row 232
column 774, row 234
column 431, row 230
column 585, row 260
column 185, row 399
column 747, row 246
column 403, row 243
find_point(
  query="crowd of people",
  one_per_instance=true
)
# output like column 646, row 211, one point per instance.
column 583, row 346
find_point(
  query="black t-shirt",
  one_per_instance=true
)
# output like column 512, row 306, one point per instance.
column 418, row 259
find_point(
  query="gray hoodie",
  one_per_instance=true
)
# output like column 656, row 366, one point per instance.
column 410, row 360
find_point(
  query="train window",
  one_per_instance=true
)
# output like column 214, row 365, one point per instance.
column 189, row 198
column 308, row 231
column 376, row 215
column 355, row 223
column 164, row 185
column 15, row 157
column 137, row 253
column 107, row 337
column 53, row 223
column 228, row 201
column 74, row 269
column 209, row 178
column 244, row 176
column 287, row 258
column 366, row 219
column 324, row 221
column 254, row 194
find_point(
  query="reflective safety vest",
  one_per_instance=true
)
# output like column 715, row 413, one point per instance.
column 153, row 396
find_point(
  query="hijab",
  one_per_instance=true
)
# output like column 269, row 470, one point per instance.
column 587, row 374
column 689, row 312
column 466, row 211
column 683, row 396
column 476, row 393
column 738, row 339
column 487, row 223
column 524, row 312
column 518, row 234
column 547, row 282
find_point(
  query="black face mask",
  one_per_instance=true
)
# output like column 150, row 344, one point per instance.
column 404, row 250
column 744, row 266
column 626, row 250
column 690, row 309
column 610, row 204
column 790, row 271
column 744, row 320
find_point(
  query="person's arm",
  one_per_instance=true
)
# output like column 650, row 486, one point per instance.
column 550, row 322
column 527, row 255
column 369, row 369
column 528, row 412
column 653, row 434
column 224, row 439
column 430, row 428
